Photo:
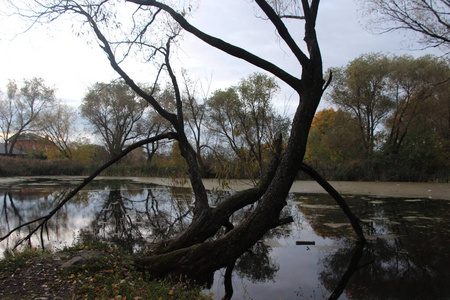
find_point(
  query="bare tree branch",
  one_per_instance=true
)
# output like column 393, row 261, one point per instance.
column 427, row 18
column 224, row 46
column 337, row 196
column 283, row 31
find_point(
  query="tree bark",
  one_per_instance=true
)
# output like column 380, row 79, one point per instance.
column 210, row 220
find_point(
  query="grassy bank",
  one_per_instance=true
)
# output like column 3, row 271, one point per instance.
column 101, row 272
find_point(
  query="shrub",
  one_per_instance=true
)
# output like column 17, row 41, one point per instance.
column 15, row 166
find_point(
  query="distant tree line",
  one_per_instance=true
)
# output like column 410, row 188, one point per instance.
column 389, row 121
column 232, row 129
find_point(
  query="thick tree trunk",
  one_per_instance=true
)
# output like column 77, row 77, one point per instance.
column 208, row 221
column 203, row 259
column 209, row 256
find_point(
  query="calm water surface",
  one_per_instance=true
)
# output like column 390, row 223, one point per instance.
column 408, row 255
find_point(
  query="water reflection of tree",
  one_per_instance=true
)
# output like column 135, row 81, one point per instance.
column 24, row 204
column 131, row 216
column 114, row 222
column 167, row 214
column 257, row 265
column 408, row 251
column 323, row 215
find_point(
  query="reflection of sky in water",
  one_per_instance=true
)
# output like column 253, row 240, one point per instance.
column 408, row 243
column 62, row 229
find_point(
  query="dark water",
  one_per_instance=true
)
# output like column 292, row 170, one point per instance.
column 408, row 255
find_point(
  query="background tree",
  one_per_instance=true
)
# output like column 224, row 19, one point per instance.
column 360, row 88
column 243, row 116
column 395, row 99
column 58, row 124
column 334, row 145
column 21, row 107
column 428, row 19
column 414, row 87
column 154, row 124
column 195, row 114
column 115, row 112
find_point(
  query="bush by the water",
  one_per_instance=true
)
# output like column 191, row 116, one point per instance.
column 15, row 166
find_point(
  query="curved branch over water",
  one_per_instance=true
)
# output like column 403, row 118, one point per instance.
column 355, row 221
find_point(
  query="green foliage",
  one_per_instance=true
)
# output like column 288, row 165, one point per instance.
column 423, row 157
column 397, row 124
column 334, row 146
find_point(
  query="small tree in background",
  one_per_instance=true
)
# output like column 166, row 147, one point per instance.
column 58, row 124
column 243, row 117
column 20, row 109
column 115, row 112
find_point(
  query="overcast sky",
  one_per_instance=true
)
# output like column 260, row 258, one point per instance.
column 71, row 65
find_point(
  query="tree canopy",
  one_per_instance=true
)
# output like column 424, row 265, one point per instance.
column 243, row 118
column 115, row 112
column 394, row 100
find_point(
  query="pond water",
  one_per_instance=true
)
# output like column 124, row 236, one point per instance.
column 408, row 255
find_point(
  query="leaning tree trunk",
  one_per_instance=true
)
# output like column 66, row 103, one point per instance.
column 206, row 257
column 209, row 256
column 208, row 221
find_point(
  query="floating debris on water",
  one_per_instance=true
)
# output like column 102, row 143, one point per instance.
column 299, row 243
column 319, row 206
column 413, row 200
column 336, row 225
column 377, row 202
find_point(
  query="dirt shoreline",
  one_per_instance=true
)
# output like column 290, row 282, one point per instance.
column 428, row 190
